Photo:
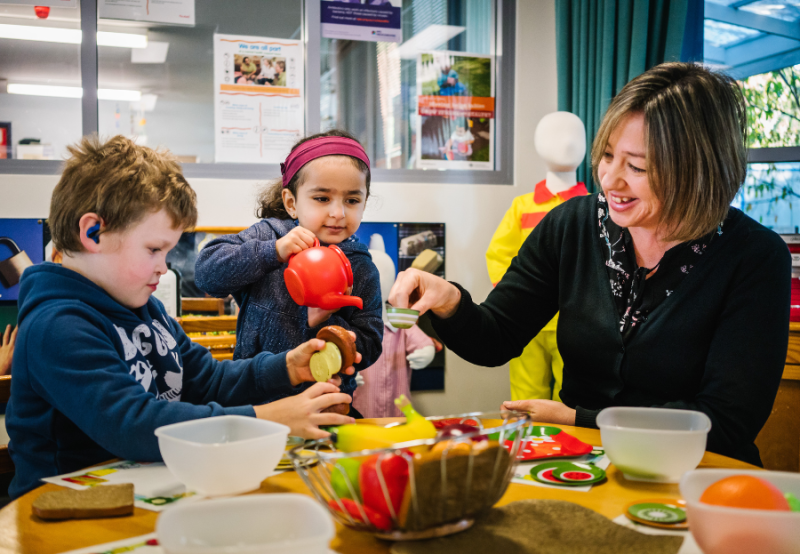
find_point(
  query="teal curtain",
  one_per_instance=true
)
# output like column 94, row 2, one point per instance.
column 603, row 44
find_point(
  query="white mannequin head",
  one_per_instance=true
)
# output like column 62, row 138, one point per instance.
column 561, row 141
column 384, row 264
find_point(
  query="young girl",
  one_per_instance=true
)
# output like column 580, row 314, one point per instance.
column 322, row 194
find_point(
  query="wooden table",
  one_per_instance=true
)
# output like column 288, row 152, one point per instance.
column 21, row 532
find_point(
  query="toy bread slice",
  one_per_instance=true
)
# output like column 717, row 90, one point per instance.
column 343, row 341
column 100, row 501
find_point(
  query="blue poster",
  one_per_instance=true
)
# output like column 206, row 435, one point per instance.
column 368, row 20
column 26, row 235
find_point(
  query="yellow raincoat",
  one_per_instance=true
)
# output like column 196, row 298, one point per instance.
column 540, row 363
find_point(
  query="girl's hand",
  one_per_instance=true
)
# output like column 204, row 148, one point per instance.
column 318, row 316
column 298, row 360
column 543, row 411
column 303, row 413
column 424, row 291
column 7, row 342
column 294, row 242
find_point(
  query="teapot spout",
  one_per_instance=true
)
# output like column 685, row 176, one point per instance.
column 333, row 301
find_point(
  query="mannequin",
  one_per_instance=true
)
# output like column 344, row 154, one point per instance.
column 403, row 350
column 560, row 140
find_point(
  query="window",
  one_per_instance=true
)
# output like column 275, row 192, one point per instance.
column 173, row 75
column 40, row 82
column 155, row 81
column 758, row 43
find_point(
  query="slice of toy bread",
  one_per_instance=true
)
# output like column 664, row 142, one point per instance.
column 101, row 501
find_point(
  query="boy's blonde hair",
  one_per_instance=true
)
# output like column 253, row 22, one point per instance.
column 121, row 182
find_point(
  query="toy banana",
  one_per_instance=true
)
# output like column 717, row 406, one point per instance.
column 357, row 436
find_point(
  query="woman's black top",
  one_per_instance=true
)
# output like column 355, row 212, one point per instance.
column 716, row 343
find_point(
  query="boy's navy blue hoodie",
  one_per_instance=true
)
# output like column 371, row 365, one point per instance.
column 94, row 379
column 246, row 265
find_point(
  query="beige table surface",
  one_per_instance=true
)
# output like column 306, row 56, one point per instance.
column 21, row 532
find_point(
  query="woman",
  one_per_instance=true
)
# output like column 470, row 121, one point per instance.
column 667, row 296
column 248, row 68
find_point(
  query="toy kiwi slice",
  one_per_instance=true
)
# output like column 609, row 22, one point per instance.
column 339, row 353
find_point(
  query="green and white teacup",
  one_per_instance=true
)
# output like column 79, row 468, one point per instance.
column 402, row 318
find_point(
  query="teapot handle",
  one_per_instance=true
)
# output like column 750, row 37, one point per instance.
column 316, row 243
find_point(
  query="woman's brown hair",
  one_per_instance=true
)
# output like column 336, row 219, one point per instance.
column 270, row 201
column 695, row 122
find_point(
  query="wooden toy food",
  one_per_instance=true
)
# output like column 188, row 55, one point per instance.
column 339, row 353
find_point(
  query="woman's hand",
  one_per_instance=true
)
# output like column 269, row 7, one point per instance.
column 543, row 411
column 7, row 342
column 424, row 291
column 298, row 362
column 303, row 413
column 294, row 242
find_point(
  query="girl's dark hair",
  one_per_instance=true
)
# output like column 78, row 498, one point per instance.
column 270, row 201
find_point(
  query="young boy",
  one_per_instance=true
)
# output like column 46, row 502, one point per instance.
column 98, row 364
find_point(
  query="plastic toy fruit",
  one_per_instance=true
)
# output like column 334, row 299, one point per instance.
column 354, row 437
column 455, row 430
column 745, row 491
column 346, row 470
column 375, row 518
column 394, row 470
column 319, row 277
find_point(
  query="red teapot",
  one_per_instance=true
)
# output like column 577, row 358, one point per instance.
column 319, row 277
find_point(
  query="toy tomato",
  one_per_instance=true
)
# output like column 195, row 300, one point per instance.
column 394, row 469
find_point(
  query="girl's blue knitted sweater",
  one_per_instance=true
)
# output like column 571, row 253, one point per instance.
column 246, row 265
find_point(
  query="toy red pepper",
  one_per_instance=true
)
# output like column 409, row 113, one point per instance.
column 394, row 469
column 378, row 520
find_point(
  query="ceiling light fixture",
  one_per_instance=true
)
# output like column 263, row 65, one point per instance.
column 74, row 92
column 71, row 36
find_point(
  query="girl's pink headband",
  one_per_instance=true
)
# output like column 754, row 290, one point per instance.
column 317, row 148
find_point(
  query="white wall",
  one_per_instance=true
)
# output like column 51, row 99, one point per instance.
column 470, row 212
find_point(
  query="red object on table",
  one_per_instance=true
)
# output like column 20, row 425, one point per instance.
column 319, row 277
column 41, row 11
column 563, row 445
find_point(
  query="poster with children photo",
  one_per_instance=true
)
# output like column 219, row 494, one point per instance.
column 268, row 71
column 456, row 109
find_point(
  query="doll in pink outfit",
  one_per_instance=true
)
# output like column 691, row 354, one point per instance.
column 403, row 351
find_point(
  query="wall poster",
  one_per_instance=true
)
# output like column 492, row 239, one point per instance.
column 370, row 20
column 258, row 98
column 456, row 108
column 178, row 12
column 21, row 244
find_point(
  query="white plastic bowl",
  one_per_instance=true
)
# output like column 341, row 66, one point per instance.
column 258, row 523
column 222, row 455
column 722, row 530
column 653, row 444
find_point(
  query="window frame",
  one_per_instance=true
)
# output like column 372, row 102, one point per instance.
column 504, row 23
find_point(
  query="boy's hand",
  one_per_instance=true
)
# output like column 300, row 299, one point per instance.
column 298, row 362
column 294, row 242
column 7, row 342
column 303, row 413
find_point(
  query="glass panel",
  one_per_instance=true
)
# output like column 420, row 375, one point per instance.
column 370, row 88
column 40, row 71
column 174, row 73
column 787, row 10
column 725, row 35
column 773, row 108
column 769, row 195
